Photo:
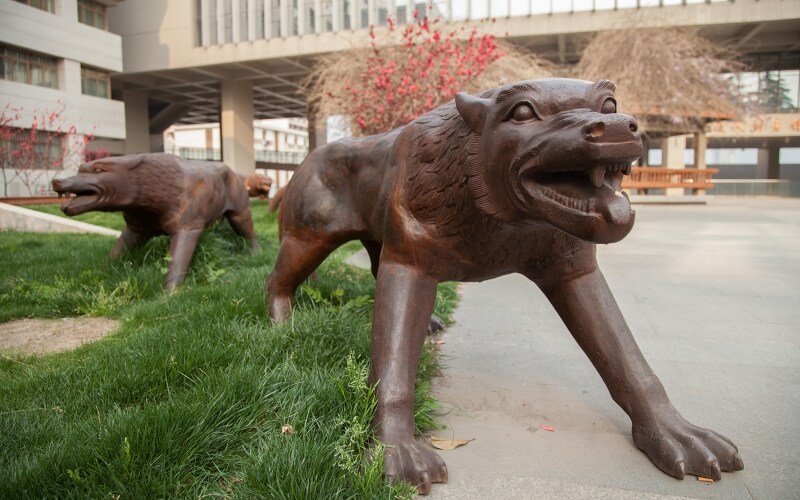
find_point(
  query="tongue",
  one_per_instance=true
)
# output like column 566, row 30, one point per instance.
column 617, row 209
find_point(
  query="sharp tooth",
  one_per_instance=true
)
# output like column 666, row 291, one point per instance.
column 627, row 169
column 597, row 175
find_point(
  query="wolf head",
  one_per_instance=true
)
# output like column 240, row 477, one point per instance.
column 554, row 150
column 105, row 184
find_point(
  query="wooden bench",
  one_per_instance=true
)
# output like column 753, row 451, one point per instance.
column 644, row 178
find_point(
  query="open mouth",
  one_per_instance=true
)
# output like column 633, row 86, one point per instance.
column 77, row 202
column 595, row 190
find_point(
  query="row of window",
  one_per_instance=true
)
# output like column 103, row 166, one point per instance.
column 280, row 18
column 35, row 69
column 89, row 12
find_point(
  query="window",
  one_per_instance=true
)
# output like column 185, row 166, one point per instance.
column 96, row 83
column 28, row 67
column 92, row 13
column 45, row 5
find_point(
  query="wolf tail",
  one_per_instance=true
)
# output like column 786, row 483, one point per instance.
column 275, row 201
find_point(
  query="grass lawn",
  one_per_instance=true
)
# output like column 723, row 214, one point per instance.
column 189, row 397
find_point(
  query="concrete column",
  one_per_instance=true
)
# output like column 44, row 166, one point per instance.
column 320, row 133
column 251, row 20
column 285, row 20
column 317, row 130
column 673, row 150
column 67, row 10
column 268, row 20
column 236, row 121
column 137, row 122
column 644, row 161
column 74, row 154
column 410, row 10
column 372, row 13
column 69, row 77
column 157, row 143
column 301, row 17
column 700, row 145
column 236, row 18
column 205, row 23
column 336, row 15
column 355, row 18
column 220, row 22
column 318, row 16
column 769, row 166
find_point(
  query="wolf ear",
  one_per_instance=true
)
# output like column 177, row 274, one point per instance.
column 473, row 110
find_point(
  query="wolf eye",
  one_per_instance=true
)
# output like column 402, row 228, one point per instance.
column 523, row 112
column 609, row 106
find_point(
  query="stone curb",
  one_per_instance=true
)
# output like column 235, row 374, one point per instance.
column 25, row 219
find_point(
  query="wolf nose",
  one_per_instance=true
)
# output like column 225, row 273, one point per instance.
column 611, row 128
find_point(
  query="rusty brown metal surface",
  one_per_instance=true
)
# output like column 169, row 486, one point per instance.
column 525, row 178
column 160, row 194
column 257, row 185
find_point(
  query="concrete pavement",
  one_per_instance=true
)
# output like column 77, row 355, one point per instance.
column 712, row 294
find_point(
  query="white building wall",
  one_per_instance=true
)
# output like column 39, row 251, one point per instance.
column 73, row 45
column 58, row 35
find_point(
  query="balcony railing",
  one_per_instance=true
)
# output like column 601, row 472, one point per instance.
column 215, row 154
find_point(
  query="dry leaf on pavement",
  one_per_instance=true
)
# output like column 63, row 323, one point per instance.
column 448, row 444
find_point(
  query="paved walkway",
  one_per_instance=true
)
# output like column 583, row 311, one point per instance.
column 712, row 294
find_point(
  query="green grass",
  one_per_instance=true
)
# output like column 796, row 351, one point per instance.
column 112, row 220
column 188, row 398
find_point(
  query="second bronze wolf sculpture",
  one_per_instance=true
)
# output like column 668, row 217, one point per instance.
column 524, row 179
column 160, row 194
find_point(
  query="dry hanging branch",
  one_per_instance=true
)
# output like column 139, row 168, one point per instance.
column 666, row 77
column 410, row 70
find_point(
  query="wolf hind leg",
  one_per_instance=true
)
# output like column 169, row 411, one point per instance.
column 297, row 259
column 242, row 224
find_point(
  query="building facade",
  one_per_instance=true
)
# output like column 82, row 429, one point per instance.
column 55, row 88
column 277, row 144
column 235, row 62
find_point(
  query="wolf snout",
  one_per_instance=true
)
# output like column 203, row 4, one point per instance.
column 611, row 128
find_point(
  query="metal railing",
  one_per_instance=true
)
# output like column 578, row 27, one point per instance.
column 665, row 178
column 756, row 187
column 215, row 154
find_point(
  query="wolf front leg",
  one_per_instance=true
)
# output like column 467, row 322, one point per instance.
column 404, row 300
column 675, row 446
column 181, row 249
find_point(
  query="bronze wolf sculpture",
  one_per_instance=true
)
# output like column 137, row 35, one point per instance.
column 524, row 179
column 160, row 194
column 257, row 185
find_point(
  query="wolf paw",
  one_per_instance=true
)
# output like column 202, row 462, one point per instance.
column 414, row 462
column 678, row 448
column 435, row 324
